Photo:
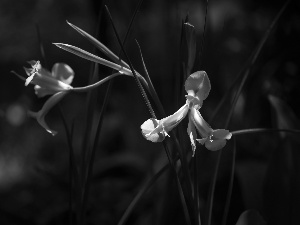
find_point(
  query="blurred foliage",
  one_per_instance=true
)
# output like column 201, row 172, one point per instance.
column 34, row 185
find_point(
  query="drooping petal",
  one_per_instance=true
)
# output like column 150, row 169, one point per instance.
column 215, row 145
column 191, row 130
column 47, row 84
column 63, row 72
column 163, row 126
column 198, row 84
column 149, row 126
column 217, row 140
column 172, row 121
column 202, row 126
column 40, row 115
column 202, row 140
column 29, row 79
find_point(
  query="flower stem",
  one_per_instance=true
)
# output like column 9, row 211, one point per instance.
column 92, row 86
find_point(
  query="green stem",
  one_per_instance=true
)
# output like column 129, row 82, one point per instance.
column 262, row 130
column 92, row 86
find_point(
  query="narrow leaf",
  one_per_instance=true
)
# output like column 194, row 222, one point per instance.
column 99, row 46
column 91, row 57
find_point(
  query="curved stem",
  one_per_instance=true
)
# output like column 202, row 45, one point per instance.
column 260, row 130
column 92, row 86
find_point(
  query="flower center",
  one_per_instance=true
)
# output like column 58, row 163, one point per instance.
column 192, row 101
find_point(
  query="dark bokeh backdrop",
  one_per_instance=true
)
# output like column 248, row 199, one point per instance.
column 34, row 165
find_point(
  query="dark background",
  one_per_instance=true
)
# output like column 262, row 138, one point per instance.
column 34, row 165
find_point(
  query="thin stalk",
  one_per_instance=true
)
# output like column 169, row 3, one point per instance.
column 180, row 191
column 196, row 189
column 262, row 130
column 42, row 51
column 131, row 67
column 72, row 167
column 203, row 34
column 140, row 194
column 95, row 85
column 230, row 185
column 246, row 75
column 103, row 109
column 93, row 153
column 151, row 88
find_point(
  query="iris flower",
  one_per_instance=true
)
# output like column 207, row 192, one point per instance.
column 55, row 83
column 197, row 87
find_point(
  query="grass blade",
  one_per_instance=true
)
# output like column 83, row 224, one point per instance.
column 196, row 189
column 100, row 46
column 230, row 186
column 91, row 57
column 140, row 194
column 144, row 95
column 152, row 114
column 237, row 94
column 203, row 34
column 91, row 158
column 73, row 170
column 42, row 51
column 151, row 87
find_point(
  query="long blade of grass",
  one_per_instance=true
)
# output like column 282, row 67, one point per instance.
column 245, row 71
column 42, row 51
column 100, row 46
column 183, row 159
column 91, row 57
column 141, row 89
column 151, row 87
column 91, row 159
column 241, row 85
column 89, row 126
column 196, row 159
column 179, row 188
column 203, row 35
column 182, row 154
column 196, row 189
column 152, row 114
column 230, row 185
column 101, row 116
column 73, row 170
column 140, row 194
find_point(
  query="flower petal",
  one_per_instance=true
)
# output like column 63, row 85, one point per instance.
column 202, row 140
column 191, row 130
column 172, row 121
column 202, row 126
column 215, row 145
column 147, row 130
column 163, row 126
column 29, row 79
column 40, row 115
column 42, row 92
column 63, row 72
column 194, row 101
column 198, row 84
column 47, row 82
